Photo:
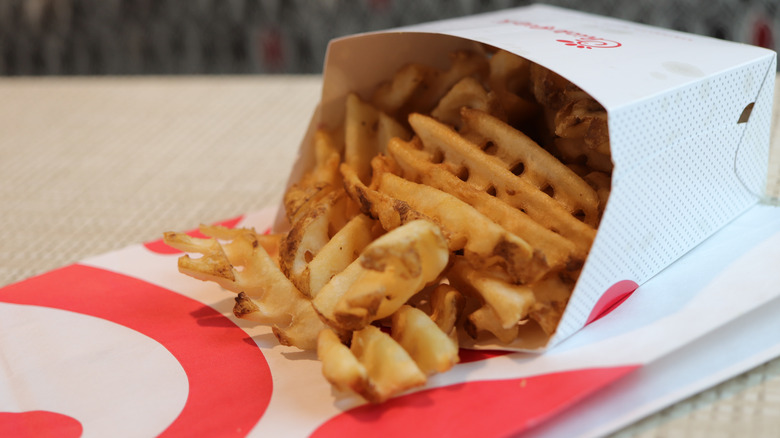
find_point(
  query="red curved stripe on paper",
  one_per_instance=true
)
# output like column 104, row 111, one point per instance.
column 482, row 408
column 230, row 382
column 612, row 298
column 159, row 247
column 39, row 424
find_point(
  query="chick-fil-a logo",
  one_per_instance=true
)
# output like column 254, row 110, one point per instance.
column 579, row 40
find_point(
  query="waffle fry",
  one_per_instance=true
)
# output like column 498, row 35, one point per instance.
column 309, row 235
column 417, row 88
column 389, row 368
column 265, row 294
column 577, row 124
column 510, row 303
column 367, row 131
column 446, row 308
column 318, row 182
column 483, row 242
column 341, row 250
column 509, row 80
column 418, row 165
column 467, row 93
column 388, row 272
column 434, row 213
column 521, row 155
column 487, row 173
column 432, row 349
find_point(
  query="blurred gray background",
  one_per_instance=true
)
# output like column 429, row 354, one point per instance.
column 131, row 37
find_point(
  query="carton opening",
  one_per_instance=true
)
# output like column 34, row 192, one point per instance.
column 519, row 152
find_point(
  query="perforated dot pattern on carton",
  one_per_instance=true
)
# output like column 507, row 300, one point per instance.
column 678, row 179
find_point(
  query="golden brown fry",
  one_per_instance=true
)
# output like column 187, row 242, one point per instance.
column 392, row 96
column 268, row 296
column 463, row 64
column 341, row 250
column 319, row 181
column 573, row 150
column 391, row 213
column 418, row 165
column 388, row 272
column 531, row 163
column 485, row 244
column 213, row 265
column 240, row 240
column 465, row 160
column 466, row 93
column 552, row 90
column 310, row 234
column 417, row 88
column 484, row 319
column 602, row 183
column 431, row 348
column 510, row 73
column 367, row 131
column 551, row 295
column 509, row 80
column 390, row 368
column 339, row 366
column 293, row 321
column 470, row 225
column 511, row 303
column 446, row 308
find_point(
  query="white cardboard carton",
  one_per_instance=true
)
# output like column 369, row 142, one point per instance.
column 689, row 154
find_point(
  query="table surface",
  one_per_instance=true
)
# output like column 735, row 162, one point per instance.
column 89, row 165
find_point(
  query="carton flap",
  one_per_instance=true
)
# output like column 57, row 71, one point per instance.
column 616, row 61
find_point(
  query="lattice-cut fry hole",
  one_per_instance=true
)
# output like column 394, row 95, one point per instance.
column 485, row 170
column 366, row 132
column 268, row 296
column 484, row 243
column 317, row 182
column 433, row 350
column 540, row 168
column 388, row 272
column 310, row 234
column 418, row 165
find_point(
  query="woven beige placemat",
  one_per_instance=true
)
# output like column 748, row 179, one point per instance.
column 89, row 165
